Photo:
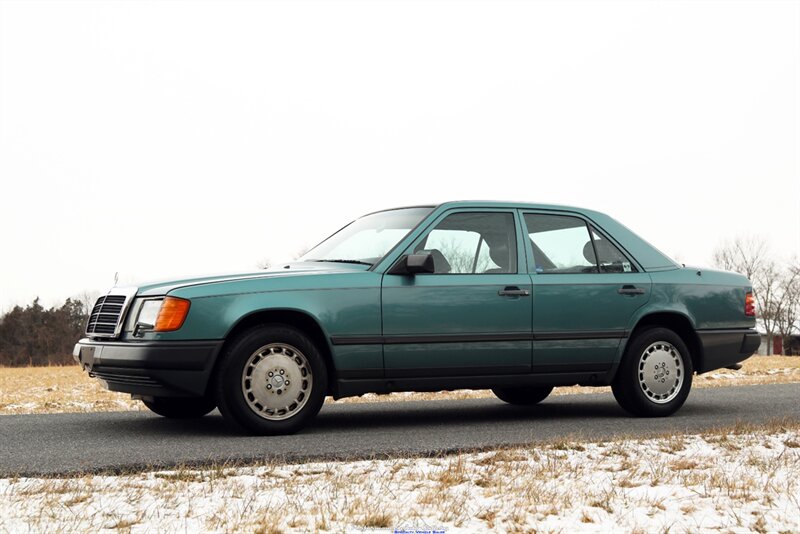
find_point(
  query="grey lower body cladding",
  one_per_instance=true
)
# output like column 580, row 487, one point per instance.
column 157, row 369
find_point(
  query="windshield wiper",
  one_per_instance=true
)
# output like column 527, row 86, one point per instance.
column 357, row 262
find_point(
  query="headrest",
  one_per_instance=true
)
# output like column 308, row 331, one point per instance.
column 588, row 253
column 440, row 263
column 608, row 252
column 499, row 254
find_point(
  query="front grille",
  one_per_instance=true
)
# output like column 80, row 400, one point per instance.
column 106, row 316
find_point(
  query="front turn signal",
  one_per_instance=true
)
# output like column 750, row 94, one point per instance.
column 172, row 314
column 749, row 304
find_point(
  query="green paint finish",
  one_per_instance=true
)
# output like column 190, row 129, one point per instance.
column 362, row 300
column 710, row 300
column 341, row 301
column 359, row 358
column 573, row 303
column 578, row 352
column 455, row 304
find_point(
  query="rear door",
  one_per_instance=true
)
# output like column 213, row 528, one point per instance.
column 585, row 291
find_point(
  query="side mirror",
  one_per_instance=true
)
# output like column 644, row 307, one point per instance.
column 414, row 264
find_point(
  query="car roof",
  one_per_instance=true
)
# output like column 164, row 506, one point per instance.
column 505, row 204
column 487, row 204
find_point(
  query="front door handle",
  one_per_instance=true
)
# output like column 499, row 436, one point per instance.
column 628, row 289
column 513, row 291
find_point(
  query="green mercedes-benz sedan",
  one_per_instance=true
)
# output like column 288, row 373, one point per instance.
column 518, row 298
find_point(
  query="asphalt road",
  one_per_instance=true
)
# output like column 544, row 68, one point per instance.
column 124, row 441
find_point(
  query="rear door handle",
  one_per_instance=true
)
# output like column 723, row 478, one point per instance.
column 630, row 290
column 513, row 291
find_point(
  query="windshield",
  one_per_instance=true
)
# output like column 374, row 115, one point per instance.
column 368, row 239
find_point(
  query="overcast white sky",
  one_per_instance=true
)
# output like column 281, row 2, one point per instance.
column 165, row 138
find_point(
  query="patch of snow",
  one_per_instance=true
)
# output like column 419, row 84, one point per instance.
column 739, row 482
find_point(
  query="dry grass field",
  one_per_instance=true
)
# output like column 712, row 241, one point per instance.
column 68, row 389
column 738, row 479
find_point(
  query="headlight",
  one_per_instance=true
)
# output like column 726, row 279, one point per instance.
column 163, row 315
column 148, row 313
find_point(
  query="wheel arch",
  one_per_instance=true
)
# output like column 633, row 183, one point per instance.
column 301, row 320
column 678, row 323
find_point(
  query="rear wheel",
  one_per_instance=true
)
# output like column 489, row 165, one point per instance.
column 271, row 380
column 523, row 396
column 180, row 407
column 655, row 375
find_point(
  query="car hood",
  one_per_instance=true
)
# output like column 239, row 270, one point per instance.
column 289, row 269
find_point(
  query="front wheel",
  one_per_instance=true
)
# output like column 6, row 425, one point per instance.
column 271, row 380
column 523, row 396
column 655, row 375
column 180, row 407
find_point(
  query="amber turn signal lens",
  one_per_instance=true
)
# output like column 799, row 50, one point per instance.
column 172, row 314
column 749, row 304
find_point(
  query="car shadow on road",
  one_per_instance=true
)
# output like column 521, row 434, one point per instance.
column 474, row 412
column 421, row 415
column 147, row 424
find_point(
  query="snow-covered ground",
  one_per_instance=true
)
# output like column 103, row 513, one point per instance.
column 739, row 481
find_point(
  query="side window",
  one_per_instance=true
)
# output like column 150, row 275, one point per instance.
column 473, row 243
column 561, row 244
column 611, row 259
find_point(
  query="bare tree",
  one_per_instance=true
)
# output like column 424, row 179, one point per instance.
column 744, row 255
column 787, row 310
column 766, row 290
column 87, row 300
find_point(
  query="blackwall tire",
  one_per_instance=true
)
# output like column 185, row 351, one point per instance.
column 271, row 380
column 180, row 408
column 523, row 396
column 655, row 375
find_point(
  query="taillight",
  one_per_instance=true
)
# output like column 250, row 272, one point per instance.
column 749, row 304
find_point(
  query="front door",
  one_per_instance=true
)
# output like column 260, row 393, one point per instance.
column 472, row 316
column 585, row 292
